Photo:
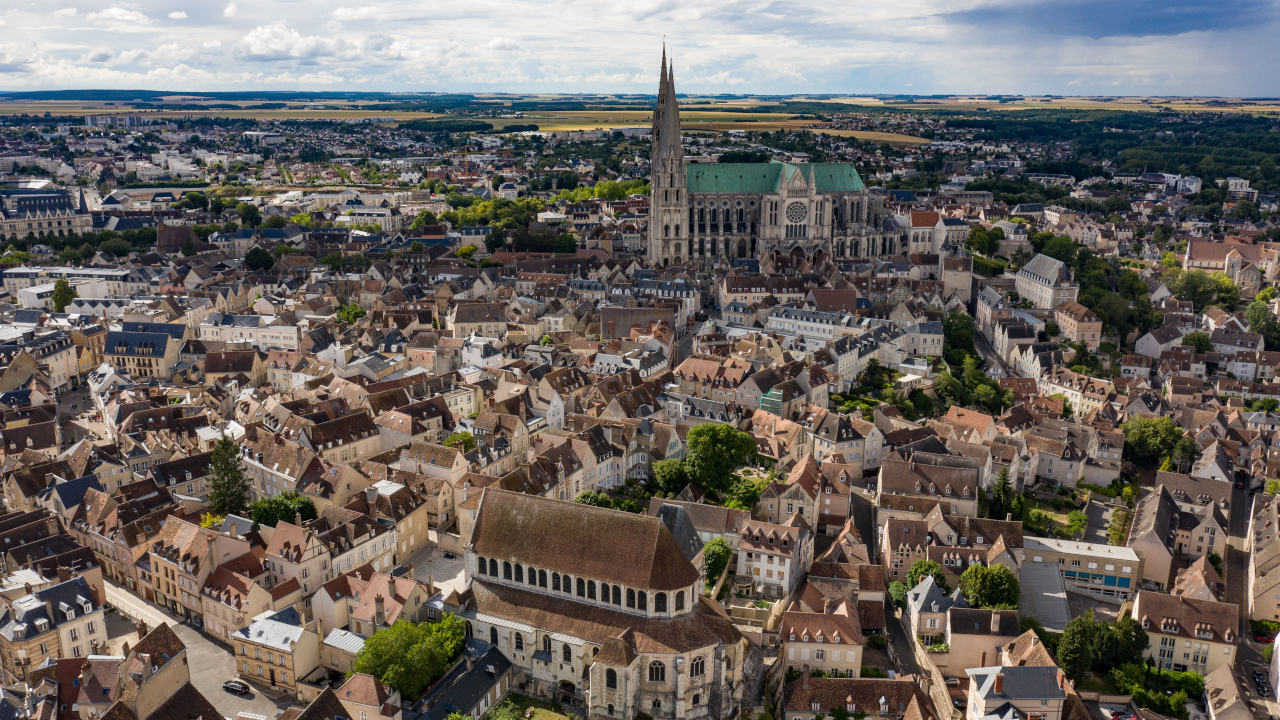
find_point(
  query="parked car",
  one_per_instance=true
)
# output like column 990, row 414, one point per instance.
column 237, row 687
column 449, row 556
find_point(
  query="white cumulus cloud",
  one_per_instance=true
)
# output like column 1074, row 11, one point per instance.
column 278, row 41
column 177, row 15
column 366, row 12
column 230, row 10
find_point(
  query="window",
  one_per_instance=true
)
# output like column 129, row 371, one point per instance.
column 697, row 667
column 567, row 653
column 611, row 679
column 519, row 573
column 519, row 642
column 493, row 567
column 642, row 600
column 555, row 581
column 660, row 602
column 582, row 588
column 631, row 598
column 679, row 601
column 506, row 570
column 657, row 672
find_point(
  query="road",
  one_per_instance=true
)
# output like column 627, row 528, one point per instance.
column 210, row 662
column 994, row 366
column 1236, row 568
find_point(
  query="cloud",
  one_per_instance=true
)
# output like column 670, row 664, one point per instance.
column 367, row 12
column 502, row 43
column 119, row 19
column 278, row 41
column 1104, row 18
column 65, row 12
column 230, row 10
column 177, row 15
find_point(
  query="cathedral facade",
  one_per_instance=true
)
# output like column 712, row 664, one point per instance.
column 800, row 214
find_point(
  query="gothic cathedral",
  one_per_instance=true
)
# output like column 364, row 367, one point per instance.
column 797, row 215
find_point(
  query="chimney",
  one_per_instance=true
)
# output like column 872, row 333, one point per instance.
column 64, row 573
column 995, row 624
column 1008, row 517
column 1061, row 679
column 804, row 678
column 828, row 605
column 124, row 649
column 371, row 498
column 982, row 662
column 999, row 688
column 379, row 611
column 297, row 519
column 142, row 629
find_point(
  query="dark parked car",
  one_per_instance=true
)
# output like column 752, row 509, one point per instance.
column 238, row 687
column 449, row 556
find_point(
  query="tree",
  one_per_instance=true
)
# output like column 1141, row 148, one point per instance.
column 116, row 247
column 350, row 313
column 992, row 586
column 958, row 332
column 1004, row 501
column 921, row 569
column 423, row 219
column 1198, row 340
column 63, row 294
column 464, row 441
column 258, row 259
column 898, row 594
column 671, row 475
column 983, row 241
column 408, row 656
column 1258, row 313
column 1148, row 440
column 466, row 252
column 275, row 221
column 1124, row 642
column 287, row 506
column 1076, row 648
column 228, row 487
column 715, row 451
column 335, row 261
column 250, row 215
column 716, row 555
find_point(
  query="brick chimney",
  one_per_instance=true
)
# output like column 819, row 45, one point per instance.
column 64, row 573
column 142, row 629
column 379, row 611
column 804, row 678
column 999, row 688
column 1062, row 679
column 983, row 661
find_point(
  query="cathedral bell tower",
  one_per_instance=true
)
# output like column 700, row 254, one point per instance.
column 668, row 196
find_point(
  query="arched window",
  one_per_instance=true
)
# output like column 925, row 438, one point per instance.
column 533, row 576
column 567, row 653
column 631, row 598
column 657, row 705
column 657, row 672
column 660, row 602
column 555, row 581
column 546, row 643
column 493, row 567
column 506, row 570
column 519, row 573
column 542, row 578
column 591, row 589
column 642, row 600
column 482, row 566
column 611, row 679
column 679, row 601
column 493, row 636
column 582, row 588
column 519, row 642
column 610, row 708
column 697, row 667
column 697, row 699
column 617, row 595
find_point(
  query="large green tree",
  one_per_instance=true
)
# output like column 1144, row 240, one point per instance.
column 992, row 586
column 715, row 451
column 716, row 554
column 228, row 487
column 1148, row 440
column 410, row 656
column 1078, row 645
column 63, row 294
column 258, row 259
column 286, row 506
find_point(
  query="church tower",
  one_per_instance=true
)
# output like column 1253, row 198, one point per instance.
column 668, row 196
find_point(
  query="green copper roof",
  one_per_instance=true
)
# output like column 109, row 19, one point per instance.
column 767, row 177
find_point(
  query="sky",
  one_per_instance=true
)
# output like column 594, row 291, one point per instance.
column 1064, row 47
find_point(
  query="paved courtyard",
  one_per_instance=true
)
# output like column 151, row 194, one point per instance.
column 446, row 573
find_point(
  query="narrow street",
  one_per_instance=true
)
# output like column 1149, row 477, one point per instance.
column 210, row 663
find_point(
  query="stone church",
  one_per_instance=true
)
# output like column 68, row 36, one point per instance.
column 800, row 215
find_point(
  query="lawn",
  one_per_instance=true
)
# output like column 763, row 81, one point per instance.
column 542, row 709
